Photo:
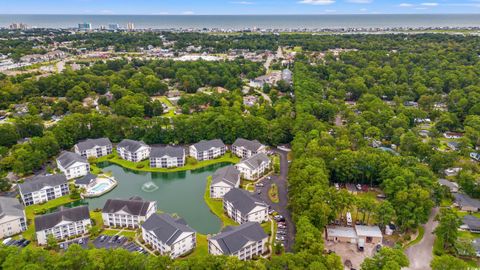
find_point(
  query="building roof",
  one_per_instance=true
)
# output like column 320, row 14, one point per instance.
column 67, row 159
column 86, row 180
column 255, row 161
column 472, row 222
column 233, row 239
column 243, row 200
column 51, row 220
column 131, row 145
column 465, row 200
column 445, row 182
column 10, row 207
column 228, row 174
column 170, row 151
column 253, row 146
column 166, row 228
column 369, row 231
column 91, row 143
column 340, row 231
column 207, row 145
column 38, row 182
column 134, row 206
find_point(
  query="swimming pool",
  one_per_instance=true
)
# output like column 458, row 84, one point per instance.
column 100, row 187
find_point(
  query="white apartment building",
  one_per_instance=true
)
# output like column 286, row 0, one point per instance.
column 242, row 207
column 254, row 167
column 244, row 241
column 94, row 148
column 73, row 165
column 245, row 148
column 206, row 150
column 127, row 213
column 40, row 189
column 64, row 223
column 167, row 157
column 134, row 151
column 223, row 180
column 12, row 217
column 169, row 236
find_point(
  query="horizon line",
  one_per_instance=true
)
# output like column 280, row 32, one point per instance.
column 291, row 14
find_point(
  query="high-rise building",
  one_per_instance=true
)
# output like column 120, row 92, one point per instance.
column 18, row 26
column 85, row 26
column 130, row 26
column 113, row 27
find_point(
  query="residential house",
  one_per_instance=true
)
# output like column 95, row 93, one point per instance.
column 12, row 217
column 40, row 189
column 223, row 180
column 476, row 246
column 244, row 241
column 254, row 167
column 250, row 101
column 245, row 148
column 62, row 224
column 368, row 234
column 73, row 165
column 475, row 156
column 169, row 236
column 341, row 234
column 287, row 76
column 470, row 223
column 134, row 151
column 358, row 235
column 206, row 150
column 454, row 146
column 452, row 135
column 85, row 181
column 241, row 206
column 167, row 157
column 452, row 171
column 127, row 213
column 466, row 203
column 94, row 148
column 451, row 185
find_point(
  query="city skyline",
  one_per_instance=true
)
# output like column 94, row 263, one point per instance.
column 240, row 7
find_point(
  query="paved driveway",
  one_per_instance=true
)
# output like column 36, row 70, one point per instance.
column 281, row 207
column 420, row 255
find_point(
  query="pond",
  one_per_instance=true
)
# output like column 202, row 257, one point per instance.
column 176, row 193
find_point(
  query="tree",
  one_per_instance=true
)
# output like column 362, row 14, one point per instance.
column 447, row 262
column 384, row 213
column 52, row 243
column 386, row 259
column 447, row 230
column 9, row 135
column 5, row 185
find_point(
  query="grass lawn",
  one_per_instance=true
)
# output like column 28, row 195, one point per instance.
column 421, row 233
column 128, row 234
column 201, row 250
column 97, row 217
column 273, row 193
column 468, row 235
column 32, row 210
column 216, row 206
column 144, row 166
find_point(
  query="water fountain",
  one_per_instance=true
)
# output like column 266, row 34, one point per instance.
column 149, row 187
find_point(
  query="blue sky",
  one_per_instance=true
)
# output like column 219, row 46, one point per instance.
column 188, row 7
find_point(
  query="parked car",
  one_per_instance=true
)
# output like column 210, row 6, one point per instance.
column 102, row 238
column 271, row 211
column 259, row 185
column 80, row 241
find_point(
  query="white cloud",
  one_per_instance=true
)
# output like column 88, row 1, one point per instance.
column 429, row 4
column 188, row 12
column 317, row 2
column 242, row 2
column 405, row 5
column 360, row 1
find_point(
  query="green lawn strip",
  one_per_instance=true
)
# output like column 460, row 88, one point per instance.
column 38, row 209
column 421, row 233
column 273, row 193
column 201, row 250
column 127, row 233
column 216, row 206
column 144, row 165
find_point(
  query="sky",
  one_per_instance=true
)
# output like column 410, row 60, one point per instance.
column 230, row 7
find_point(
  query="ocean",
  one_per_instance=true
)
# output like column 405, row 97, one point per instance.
column 239, row 22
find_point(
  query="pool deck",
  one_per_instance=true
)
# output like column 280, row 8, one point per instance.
column 91, row 195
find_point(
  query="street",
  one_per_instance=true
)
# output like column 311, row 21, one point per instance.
column 281, row 207
column 420, row 255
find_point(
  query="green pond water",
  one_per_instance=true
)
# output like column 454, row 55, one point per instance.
column 178, row 193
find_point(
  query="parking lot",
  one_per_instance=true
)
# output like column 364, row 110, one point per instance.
column 16, row 243
column 111, row 242
column 83, row 242
column 350, row 252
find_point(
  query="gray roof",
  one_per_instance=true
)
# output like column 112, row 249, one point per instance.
column 166, row 228
column 472, row 222
column 48, row 221
column 465, row 200
column 87, row 179
column 134, row 206
column 66, row 159
column 229, row 175
column 233, row 239
column 38, row 182
column 91, row 143
column 243, row 200
column 203, row 145
column 247, row 144
column 255, row 161
column 340, row 231
column 171, row 151
column 10, row 207
column 131, row 145
column 369, row 231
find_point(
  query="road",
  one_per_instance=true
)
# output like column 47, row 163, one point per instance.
column 280, row 207
column 421, row 254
